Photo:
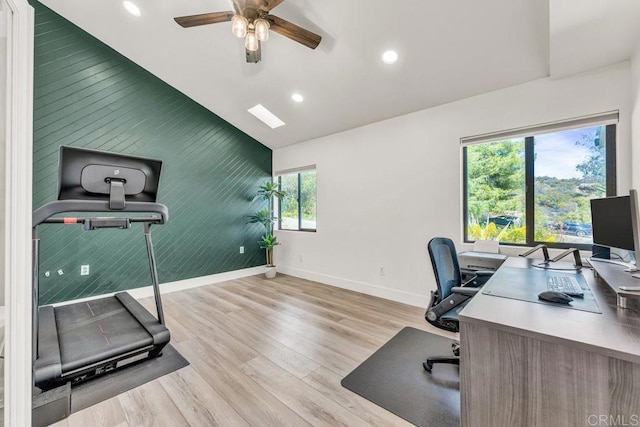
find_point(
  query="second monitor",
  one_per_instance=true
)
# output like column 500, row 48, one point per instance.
column 615, row 223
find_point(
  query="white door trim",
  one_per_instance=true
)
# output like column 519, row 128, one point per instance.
column 17, row 212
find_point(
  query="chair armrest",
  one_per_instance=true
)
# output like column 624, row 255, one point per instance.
column 467, row 271
column 479, row 279
column 464, row 291
column 452, row 301
column 484, row 273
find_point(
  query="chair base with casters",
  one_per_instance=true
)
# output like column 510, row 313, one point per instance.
column 452, row 294
column 455, row 360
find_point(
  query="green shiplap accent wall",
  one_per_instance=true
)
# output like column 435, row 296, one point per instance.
column 88, row 95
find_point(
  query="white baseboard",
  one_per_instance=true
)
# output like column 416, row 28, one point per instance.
column 180, row 285
column 352, row 285
column 196, row 282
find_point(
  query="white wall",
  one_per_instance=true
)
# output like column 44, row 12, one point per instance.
column 385, row 189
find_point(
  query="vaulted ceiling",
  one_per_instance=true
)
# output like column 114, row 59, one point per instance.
column 448, row 50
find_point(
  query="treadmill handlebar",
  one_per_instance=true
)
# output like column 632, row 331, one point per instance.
column 44, row 213
column 73, row 220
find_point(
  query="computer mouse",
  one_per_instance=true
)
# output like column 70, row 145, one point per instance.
column 553, row 296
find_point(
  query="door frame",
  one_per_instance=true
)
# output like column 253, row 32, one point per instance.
column 18, row 166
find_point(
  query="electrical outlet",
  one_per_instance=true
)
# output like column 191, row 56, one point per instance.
column 84, row 270
column 382, row 271
column 241, row 249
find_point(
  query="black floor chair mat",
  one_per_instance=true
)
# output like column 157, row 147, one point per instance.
column 393, row 378
column 143, row 371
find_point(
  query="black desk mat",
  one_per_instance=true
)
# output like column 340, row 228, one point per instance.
column 526, row 283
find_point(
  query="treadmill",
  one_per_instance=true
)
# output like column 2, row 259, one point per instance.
column 76, row 342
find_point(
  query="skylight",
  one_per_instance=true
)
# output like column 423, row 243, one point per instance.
column 266, row 116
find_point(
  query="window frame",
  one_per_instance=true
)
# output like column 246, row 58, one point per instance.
column 299, row 173
column 529, row 159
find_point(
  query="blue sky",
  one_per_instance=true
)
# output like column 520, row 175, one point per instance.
column 553, row 149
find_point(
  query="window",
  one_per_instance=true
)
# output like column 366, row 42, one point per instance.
column 536, row 189
column 297, row 211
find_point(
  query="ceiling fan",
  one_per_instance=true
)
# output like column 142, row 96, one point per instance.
column 252, row 21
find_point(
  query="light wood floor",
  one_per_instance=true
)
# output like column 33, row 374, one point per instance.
column 263, row 352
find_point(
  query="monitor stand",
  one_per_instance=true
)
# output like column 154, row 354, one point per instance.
column 629, row 267
column 558, row 266
column 632, row 268
column 552, row 264
column 613, row 274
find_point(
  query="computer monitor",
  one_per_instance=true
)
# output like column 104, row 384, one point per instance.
column 615, row 222
column 86, row 174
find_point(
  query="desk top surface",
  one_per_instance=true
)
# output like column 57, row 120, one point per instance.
column 615, row 332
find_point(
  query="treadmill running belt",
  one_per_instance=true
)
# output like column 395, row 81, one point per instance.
column 94, row 331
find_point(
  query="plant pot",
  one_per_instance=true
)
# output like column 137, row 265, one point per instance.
column 270, row 272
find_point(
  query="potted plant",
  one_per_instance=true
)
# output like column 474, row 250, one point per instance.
column 265, row 216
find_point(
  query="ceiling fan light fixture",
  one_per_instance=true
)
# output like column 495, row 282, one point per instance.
column 252, row 21
column 262, row 29
column 239, row 25
column 251, row 42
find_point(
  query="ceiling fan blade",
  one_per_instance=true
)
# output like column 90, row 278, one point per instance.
column 292, row 31
column 204, row 19
column 254, row 57
column 270, row 4
column 238, row 6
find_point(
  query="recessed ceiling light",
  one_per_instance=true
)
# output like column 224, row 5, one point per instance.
column 297, row 97
column 131, row 8
column 390, row 57
column 266, row 116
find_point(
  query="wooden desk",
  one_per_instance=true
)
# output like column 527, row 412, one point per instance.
column 529, row 364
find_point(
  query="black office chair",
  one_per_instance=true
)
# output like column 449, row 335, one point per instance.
column 452, row 295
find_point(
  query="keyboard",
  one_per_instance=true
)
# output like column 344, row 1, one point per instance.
column 565, row 284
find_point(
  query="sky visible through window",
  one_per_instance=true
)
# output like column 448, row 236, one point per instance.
column 552, row 152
